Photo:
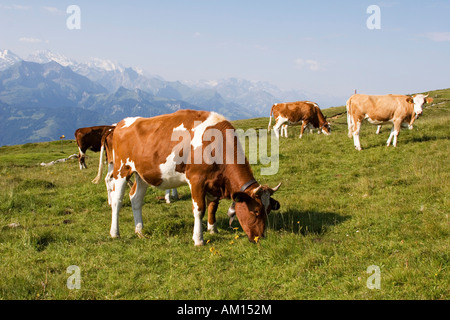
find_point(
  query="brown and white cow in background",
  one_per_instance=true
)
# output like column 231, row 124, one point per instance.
column 147, row 148
column 89, row 138
column 306, row 113
column 400, row 110
column 106, row 147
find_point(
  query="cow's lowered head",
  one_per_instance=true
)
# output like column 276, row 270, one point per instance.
column 252, row 208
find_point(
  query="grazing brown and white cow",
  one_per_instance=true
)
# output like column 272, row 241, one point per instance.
column 89, row 138
column 400, row 110
column 306, row 113
column 151, row 148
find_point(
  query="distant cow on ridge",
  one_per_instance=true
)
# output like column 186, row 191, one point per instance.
column 89, row 138
column 400, row 110
column 306, row 113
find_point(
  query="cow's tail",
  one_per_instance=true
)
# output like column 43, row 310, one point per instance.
column 270, row 119
column 349, row 118
column 102, row 151
column 100, row 166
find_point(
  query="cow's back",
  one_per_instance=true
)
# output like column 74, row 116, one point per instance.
column 378, row 107
column 148, row 143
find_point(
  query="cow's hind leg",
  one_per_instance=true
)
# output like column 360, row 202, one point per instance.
column 284, row 130
column 198, row 208
column 213, row 204
column 276, row 127
column 82, row 159
column 394, row 134
column 137, row 195
column 302, row 129
column 378, row 129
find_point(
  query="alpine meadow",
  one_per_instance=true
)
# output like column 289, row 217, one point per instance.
column 344, row 213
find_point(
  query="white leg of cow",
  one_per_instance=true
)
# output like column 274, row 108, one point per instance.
column 378, row 130
column 276, row 128
column 117, row 193
column 356, row 141
column 393, row 133
column 284, row 130
column 395, row 138
column 81, row 159
column 397, row 126
column 198, row 230
column 277, row 132
column 137, row 201
column 167, row 195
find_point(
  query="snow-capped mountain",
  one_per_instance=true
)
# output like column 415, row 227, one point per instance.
column 110, row 74
column 7, row 59
column 45, row 56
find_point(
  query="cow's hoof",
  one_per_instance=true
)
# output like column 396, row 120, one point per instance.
column 212, row 229
column 199, row 243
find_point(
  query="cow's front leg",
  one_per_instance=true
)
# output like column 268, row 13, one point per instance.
column 304, row 124
column 284, row 130
column 396, row 128
column 167, row 195
column 198, row 208
column 394, row 134
column 213, row 204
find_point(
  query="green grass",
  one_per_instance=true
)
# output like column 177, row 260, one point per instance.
column 342, row 211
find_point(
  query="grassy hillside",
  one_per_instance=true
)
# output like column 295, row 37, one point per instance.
column 342, row 211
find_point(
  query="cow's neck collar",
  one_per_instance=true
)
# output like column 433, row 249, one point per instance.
column 246, row 185
column 231, row 210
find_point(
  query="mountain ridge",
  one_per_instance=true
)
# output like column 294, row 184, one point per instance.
column 111, row 91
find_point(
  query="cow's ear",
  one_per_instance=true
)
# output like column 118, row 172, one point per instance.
column 241, row 197
column 409, row 100
column 274, row 204
column 429, row 100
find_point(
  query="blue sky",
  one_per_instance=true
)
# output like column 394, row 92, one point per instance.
column 313, row 46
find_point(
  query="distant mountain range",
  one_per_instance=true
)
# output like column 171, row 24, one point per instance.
column 48, row 95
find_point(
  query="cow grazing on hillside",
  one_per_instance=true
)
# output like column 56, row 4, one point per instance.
column 89, row 138
column 306, row 113
column 151, row 148
column 106, row 147
column 400, row 110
